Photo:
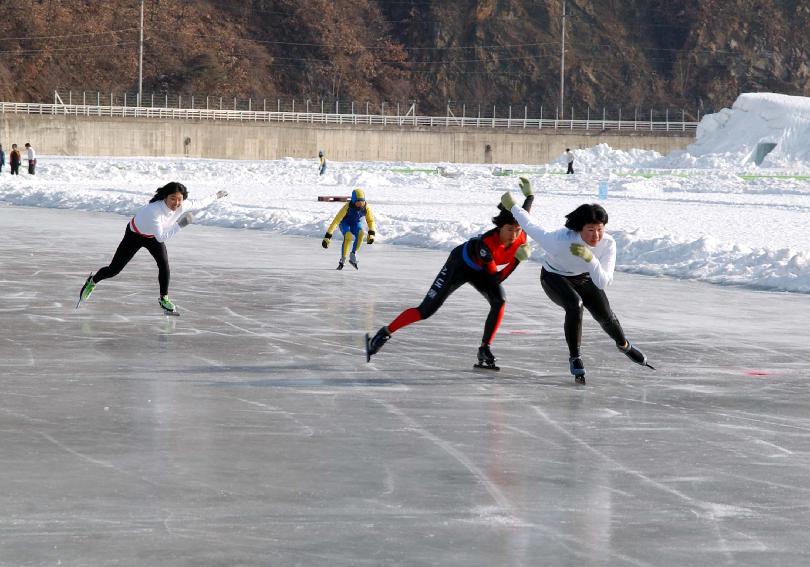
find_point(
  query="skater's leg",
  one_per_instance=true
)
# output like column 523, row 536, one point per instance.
column 359, row 234
column 561, row 292
column 596, row 302
column 161, row 256
column 348, row 237
column 496, row 297
column 126, row 250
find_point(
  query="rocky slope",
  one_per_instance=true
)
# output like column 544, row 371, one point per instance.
column 697, row 54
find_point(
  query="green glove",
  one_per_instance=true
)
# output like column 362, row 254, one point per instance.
column 327, row 238
column 582, row 251
column 523, row 252
column 508, row 201
column 526, row 187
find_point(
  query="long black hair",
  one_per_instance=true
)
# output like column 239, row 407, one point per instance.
column 169, row 189
column 586, row 214
column 503, row 217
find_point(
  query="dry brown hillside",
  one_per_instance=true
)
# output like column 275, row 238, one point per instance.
column 679, row 53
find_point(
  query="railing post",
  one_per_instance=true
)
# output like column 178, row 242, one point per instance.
column 603, row 118
column 651, row 119
column 493, row 116
column 540, row 122
column 588, row 118
column 572, row 118
column 667, row 118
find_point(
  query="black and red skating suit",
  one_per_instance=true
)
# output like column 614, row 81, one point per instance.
column 475, row 262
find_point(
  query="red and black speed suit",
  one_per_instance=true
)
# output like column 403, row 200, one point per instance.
column 475, row 262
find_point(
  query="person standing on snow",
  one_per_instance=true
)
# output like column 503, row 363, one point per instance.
column 2, row 158
column 153, row 224
column 322, row 166
column 569, row 157
column 14, row 160
column 349, row 218
column 31, row 156
column 475, row 262
column 577, row 267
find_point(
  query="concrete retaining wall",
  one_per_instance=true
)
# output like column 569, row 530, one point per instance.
column 109, row 136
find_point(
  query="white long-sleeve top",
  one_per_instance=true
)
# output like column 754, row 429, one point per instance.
column 31, row 154
column 557, row 247
column 158, row 221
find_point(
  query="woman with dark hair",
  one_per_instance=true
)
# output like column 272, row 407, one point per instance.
column 475, row 262
column 167, row 212
column 577, row 267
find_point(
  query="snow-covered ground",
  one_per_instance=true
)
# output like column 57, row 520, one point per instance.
column 703, row 215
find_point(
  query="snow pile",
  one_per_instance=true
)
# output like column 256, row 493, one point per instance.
column 731, row 136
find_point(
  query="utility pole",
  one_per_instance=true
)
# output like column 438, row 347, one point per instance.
column 140, row 62
column 562, row 65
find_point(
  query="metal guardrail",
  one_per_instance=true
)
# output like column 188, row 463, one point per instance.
column 411, row 120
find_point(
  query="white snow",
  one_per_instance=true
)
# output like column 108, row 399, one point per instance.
column 707, row 214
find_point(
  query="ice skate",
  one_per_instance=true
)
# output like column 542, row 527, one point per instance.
column 486, row 360
column 353, row 261
column 167, row 305
column 634, row 354
column 375, row 343
column 340, row 264
column 577, row 368
column 87, row 289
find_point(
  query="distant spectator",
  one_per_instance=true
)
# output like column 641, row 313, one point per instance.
column 570, row 159
column 31, row 157
column 322, row 166
column 15, row 159
column 2, row 158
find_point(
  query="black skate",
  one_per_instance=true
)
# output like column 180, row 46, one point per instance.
column 340, row 264
column 486, row 360
column 375, row 343
column 635, row 355
column 577, row 368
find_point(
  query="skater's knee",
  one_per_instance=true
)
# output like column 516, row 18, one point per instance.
column 426, row 310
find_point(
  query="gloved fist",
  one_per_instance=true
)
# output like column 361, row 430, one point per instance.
column 523, row 252
column 221, row 194
column 185, row 220
column 327, row 238
column 508, row 201
column 526, row 187
column 370, row 238
column 582, row 251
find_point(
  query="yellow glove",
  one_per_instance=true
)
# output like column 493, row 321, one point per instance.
column 582, row 251
column 370, row 237
column 327, row 238
column 526, row 187
column 523, row 252
column 508, row 201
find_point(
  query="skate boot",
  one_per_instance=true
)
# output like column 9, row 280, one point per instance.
column 353, row 261
column 167, row 305
column 486, row 360
column 87, row 289
column 577, row 368
column 634, row 354
column 340, row 263
column 375, row 343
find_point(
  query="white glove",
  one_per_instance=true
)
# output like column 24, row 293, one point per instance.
column 221, row 194
column 523, row 252
column 582, row 251
column 184, row 220
column 526, row 187
column 508, row 201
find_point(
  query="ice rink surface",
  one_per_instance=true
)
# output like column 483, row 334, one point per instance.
column 251, row 431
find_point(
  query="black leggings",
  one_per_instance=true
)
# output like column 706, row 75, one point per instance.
column 452, row 276
column 572, row 293
column 129, row 246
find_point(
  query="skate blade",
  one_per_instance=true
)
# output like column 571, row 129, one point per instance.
column 648, row 365
column 579, row 379
column 356, row 267
column 340, row 267
column 368, row 354
column 493, row 368
column 171, row 313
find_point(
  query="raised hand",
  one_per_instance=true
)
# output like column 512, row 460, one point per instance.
column 508, row 201
column 526, row 187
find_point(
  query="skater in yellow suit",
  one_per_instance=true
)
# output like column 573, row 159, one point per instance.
column 350, row 218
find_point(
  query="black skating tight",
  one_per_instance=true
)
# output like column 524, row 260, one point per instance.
column 129, row 246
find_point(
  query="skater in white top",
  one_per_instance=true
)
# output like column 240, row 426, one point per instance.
column 578, row 265
column 166, row 214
